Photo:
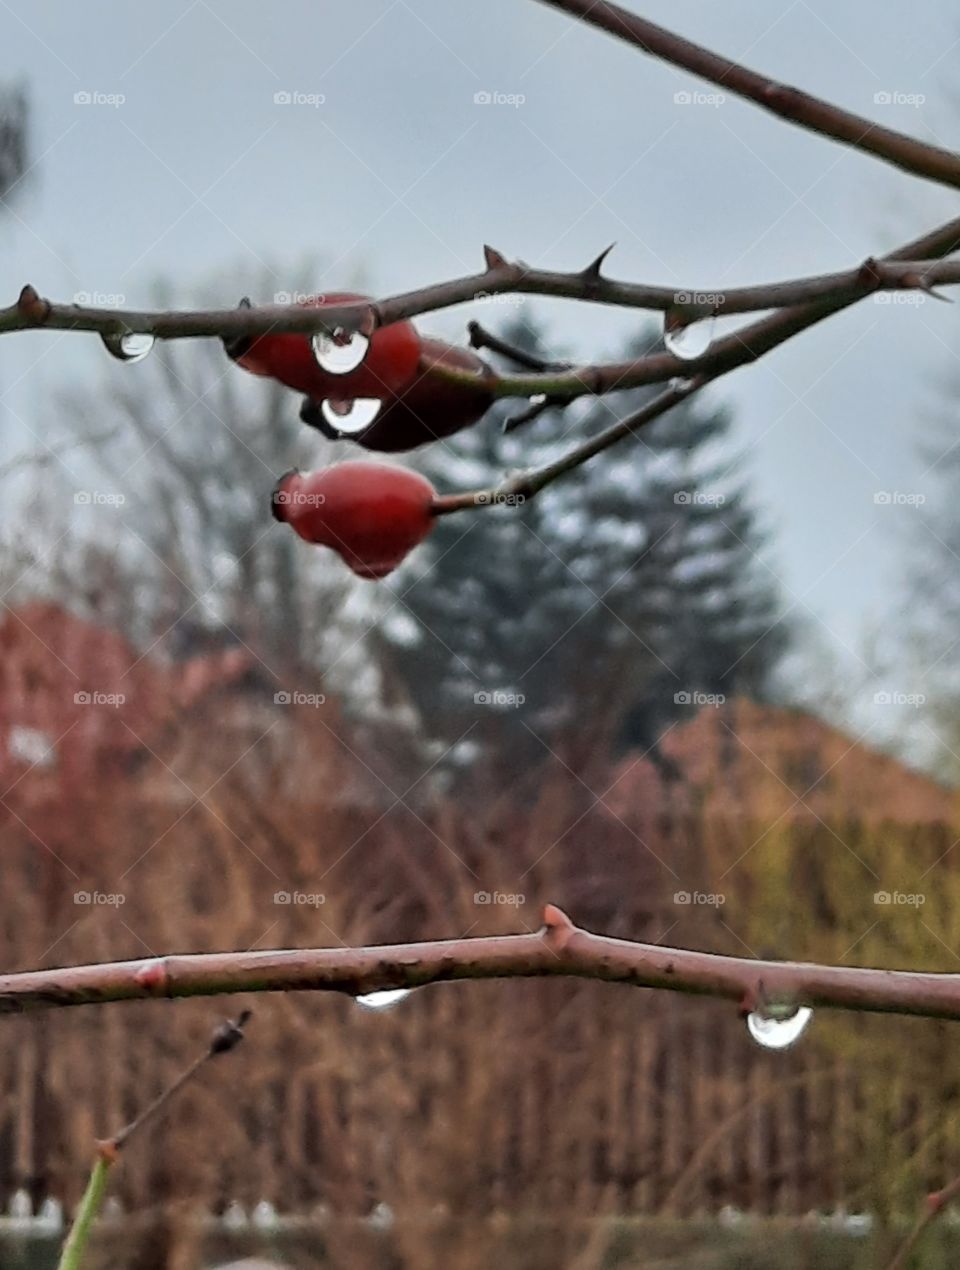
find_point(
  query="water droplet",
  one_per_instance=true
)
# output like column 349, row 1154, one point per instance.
column 339, row 352
column 129, row 346
column 382, row 1000
column 777, row 1027
column 687, row 340
column 538, row 399
column 350, row 417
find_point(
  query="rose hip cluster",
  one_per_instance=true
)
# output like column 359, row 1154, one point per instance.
column 385, row 392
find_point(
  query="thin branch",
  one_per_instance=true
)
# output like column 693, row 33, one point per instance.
column 226, row 1037
column 32, row 312
column 481, row 338
column 790, row 104
column 524, row 485
column 933, row 1207
column 560, row 948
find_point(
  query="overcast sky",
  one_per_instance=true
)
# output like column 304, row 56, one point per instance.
column 384, row 165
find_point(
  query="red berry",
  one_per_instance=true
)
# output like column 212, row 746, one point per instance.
column 371, row 513
column 429, row 408
column 390, row 365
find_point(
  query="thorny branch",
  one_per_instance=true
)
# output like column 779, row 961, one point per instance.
column 501, row 277
column 559, row 948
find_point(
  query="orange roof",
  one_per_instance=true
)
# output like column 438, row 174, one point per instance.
column 746, row 760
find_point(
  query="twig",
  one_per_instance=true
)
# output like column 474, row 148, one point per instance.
column 812, row 113
column 560, row 948
column 933, row 1207
column 517, row 489
column 481, row 338
column 534, row 409
column 226, row 1037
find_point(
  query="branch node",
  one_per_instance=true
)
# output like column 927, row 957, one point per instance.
column 869, row 274
column 229, row 1034
column 783, row 98
column 31, row 305
column 557, row 927
column 153, row 976
column 754, row 998
column 107, row 1149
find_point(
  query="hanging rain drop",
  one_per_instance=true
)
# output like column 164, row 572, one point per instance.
column 129, row 346
column 340, row 352
column 689, row 340
column 350, row 417
column 774, row 1029
column 382, row 1000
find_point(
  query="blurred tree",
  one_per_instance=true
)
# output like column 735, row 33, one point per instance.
column 920, row 658
column 14, row 139
column 607, row 603
column 170, row 533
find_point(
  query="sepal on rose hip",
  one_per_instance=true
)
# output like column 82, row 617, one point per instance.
column 371, row 514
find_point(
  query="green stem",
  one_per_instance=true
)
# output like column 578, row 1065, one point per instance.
column 76, row 1242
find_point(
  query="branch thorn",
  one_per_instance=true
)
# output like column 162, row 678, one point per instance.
column 493, row 257
column 592, row 271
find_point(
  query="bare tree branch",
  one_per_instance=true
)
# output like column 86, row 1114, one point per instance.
column 560, row 948
column 812, row 113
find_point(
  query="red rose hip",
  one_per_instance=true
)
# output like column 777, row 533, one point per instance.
column 372, row 514
column 430, row 408
column 389, row 366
